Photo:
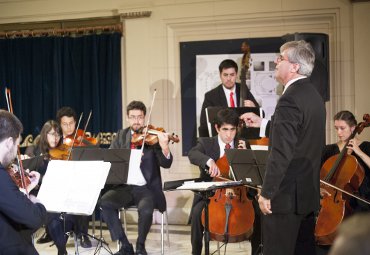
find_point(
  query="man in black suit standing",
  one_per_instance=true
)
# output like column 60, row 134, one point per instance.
column 143, row 191
column 290, row 193
column 18, row 213
column 205, row 154
column 226, row 94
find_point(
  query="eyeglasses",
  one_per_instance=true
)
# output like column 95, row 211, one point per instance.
column 132, row 117
column 281, row 58
column 56, row 135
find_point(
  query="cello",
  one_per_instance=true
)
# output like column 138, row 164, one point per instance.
column 341, row 174
column 231, row 213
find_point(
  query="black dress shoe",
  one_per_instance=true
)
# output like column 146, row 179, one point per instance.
column 125, row 250
column 140, row 249
column 85, row 242
column 45, row 238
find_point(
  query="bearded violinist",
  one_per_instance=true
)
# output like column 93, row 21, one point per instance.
column 145, row 191
column 17, row 211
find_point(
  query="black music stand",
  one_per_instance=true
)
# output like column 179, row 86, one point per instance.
column 119, row 159
column 248, row 166
column 205, row 190
column 34, row 163
column 246, row 133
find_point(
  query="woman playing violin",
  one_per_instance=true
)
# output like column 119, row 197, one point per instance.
column 49, row 138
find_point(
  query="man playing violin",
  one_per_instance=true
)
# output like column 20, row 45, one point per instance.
column 145, row 191
column 17, row 211
column 67, row 119
column 205, row 154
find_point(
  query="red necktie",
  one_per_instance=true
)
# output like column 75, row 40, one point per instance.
column 232, row 103
column 227, row 146
column 132, row 146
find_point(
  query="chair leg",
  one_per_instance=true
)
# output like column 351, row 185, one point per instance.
column 162, row 234
column 167, row 230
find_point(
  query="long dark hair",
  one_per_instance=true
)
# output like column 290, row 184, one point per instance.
column 346, row 116
column 43, row 142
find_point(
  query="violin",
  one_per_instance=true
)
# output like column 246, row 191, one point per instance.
column 15, row 174
column 152, row 136
column 80, row 139
column 62, row 152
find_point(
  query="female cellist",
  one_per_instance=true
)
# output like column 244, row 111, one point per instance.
column 345, row 123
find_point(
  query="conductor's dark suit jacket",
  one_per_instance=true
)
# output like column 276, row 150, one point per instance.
column 151, row 162
column 297, row 139
column 17, row 214
column 217, row 97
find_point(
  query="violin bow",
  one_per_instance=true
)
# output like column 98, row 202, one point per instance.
column 74, row 137
column 86, row 124
column 147, row 121
column 8, row 98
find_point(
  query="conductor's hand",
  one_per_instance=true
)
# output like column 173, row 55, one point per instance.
column 213, row 169
column 249, row 103
column 265, row 205
column 34, row 178
column 251, row 119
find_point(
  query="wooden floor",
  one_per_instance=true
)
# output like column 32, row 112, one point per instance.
column 179, row 243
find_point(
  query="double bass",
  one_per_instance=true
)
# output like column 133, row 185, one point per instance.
column 231, row 213
column 342, row 175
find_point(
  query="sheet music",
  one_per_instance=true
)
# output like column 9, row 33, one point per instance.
column 135, row 176
column 206, row 185
column 259, row 147
column 73, row 186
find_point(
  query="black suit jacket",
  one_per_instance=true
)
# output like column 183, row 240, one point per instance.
column 217, row 97
column 151, row 162
column 17, row 214
column 297, row 138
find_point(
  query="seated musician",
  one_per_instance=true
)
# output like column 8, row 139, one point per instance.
column 67, row 119
column 56, row 226
column 145, row 191
column 345, row 123
column 18, row 213
column 205, row 154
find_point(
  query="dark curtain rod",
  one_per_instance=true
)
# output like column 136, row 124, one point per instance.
column 62, row 31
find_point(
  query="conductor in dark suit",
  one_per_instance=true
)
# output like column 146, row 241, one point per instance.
column 19, row 214
column 226, row 94
column 144, row 191
column 205, row 154
column 291, row 190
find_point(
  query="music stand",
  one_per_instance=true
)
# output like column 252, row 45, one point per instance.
column 118, row 173
column 249, row 166
column 34, row 163
column 207, row 190
column 247, row 133
column 119, row 159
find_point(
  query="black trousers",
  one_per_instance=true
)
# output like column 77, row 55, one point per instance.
column 124, row 196
column 197, row 229
column 288, row 234
column 58, row 227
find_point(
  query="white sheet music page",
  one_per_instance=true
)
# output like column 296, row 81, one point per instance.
column 73, row 186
